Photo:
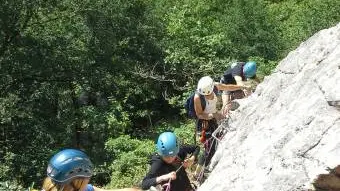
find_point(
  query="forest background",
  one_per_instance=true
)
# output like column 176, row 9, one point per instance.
column 108, row 76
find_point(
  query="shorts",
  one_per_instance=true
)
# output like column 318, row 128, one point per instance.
column 238, row 94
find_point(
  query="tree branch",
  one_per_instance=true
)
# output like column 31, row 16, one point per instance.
column 146, row 74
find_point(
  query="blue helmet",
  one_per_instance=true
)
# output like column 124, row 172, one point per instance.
column 69, row 164
column 167, row 144
column 249, row 69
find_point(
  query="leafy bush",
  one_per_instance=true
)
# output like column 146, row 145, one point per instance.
column 11, row 186
column 129, row 160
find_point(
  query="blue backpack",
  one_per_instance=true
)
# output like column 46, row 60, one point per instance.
column 190, row 105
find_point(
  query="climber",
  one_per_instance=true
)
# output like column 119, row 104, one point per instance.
column 207, row 114
column 238, row 74
column 169, row 163
column 207, row 88
column 71, row 170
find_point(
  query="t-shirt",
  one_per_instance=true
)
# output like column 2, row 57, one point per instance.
column 89, row 187
column 210, row 105
column 228, row 76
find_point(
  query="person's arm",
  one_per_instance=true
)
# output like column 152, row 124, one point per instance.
column 238, row 80
column 228, row 87
column 122, row 189
column 152, row 178
column 199, row 110
column 194, row 151
column 100, row 189
column 166, row 177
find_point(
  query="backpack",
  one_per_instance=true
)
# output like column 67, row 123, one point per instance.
column 190, row 105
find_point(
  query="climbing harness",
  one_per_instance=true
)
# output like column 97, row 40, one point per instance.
column 217, row 136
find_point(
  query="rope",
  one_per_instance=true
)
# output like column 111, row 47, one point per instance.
column 200, row 175
column 167, row 185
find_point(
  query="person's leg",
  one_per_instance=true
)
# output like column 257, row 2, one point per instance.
column 210, row 146
column 201, row 157
column 238, row 94
column 200, row 164
column 198, row 129
column 226, row 100
column 210, row 151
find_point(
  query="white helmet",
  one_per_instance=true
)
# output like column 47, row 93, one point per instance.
column 205, row 85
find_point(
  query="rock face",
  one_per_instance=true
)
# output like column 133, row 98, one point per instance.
column 288, row 131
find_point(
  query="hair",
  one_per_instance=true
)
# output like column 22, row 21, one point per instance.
column 49, row 185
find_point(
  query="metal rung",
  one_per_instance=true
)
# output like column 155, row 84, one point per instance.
column 218, row 130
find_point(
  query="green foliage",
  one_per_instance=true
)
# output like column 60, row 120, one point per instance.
column 186, row 133
column 298, row 20
column 10, row 186
column 79, row 73
column 130, row 157
column 264, row 67
column 250, row 30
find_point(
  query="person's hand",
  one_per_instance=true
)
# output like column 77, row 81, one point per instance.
column 246, row 86
column 166, row 177
column 218, row 116
column 171, row 175
column 246, row 89
column 247, row 92
column 188, row 162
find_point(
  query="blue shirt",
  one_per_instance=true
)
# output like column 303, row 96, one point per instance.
column 89, row 187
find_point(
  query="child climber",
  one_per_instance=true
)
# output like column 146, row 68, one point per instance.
column 71, row 170
column 238, row 74
column 169, row 163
